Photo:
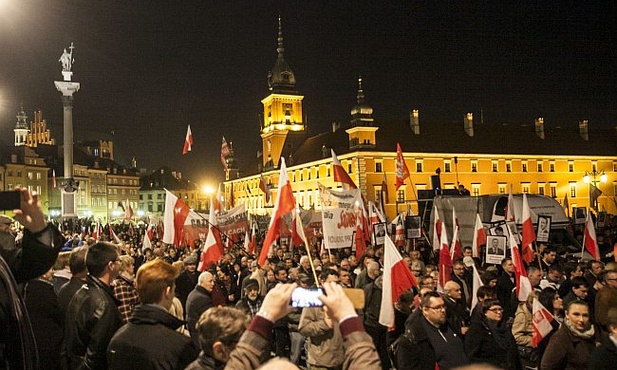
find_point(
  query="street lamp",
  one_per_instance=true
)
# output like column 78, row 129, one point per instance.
column 593, row 178
column 208, row 191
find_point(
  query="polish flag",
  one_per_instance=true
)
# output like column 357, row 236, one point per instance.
column 542, row 321
column 510, row 214
column 147, row 242
column 399, row 231
column 397, row 279
column 523, row 285
column 589, row 239
column 296, row 239
column 112, row 235
column 212, row 249
column 176, row 212
column 188, row 141
column 445, row 261
column 477, row 283
column 247, row 241
column 284, row 203
column 297, row 222
column 457, row 250
column 216, row 201
column 253, row 244
column 96, row 234
column 53, row 179
column 529, row 235
column 359, row 234
column 402, row 172
column 340, row 174
column 149, row 231
column 128, row 211
column 263, row 185
column 438, row 229
column 479, row 237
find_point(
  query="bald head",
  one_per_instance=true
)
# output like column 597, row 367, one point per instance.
column 453, row 290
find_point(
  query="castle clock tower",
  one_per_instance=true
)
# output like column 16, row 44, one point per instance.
column 282, row 108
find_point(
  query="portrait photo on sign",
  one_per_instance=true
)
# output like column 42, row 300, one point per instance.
column 580, row 213
column 379, row 233
column 412, row 225
column 499, row 229
column 495, row 249
column 544, row 229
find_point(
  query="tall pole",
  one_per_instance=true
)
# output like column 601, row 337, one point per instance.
column 67, row 88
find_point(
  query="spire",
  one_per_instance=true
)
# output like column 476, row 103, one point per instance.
column 360, row 96
column 22, row 119
column 280, row 49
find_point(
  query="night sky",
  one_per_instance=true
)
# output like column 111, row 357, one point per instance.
column 149, row 68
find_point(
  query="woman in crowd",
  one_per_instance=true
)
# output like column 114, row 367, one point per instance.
column 490, row 340
column 571, row 346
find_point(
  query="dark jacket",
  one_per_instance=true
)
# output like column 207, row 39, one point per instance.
column 504, row 295
column 198, row 301
column 565, row 351
column 185, row 283
column 605, row 356
column 19, row 264
column 457, row 314
column 415, row 351
column 149, row 341
column 92, row 320
column 46, row 319
column 67, row 292
column 481, row 346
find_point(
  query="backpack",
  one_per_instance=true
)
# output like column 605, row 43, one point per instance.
column 394, row 347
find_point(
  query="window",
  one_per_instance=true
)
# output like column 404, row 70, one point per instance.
column 551, row 166
column 501, row 188
column 553, row 187
column 541, row 187
column 419, row 165
column 540, row 167
column 378, row 195
column 495, row 166
column 524, row 166
column 572, row 189
column 570, row 166
column 447, row 166
column 317, row 169
column 525, row 187
column 615, row 167
column 400, row 195
column 474, row 166
column 38, row 175
column 349, row 168
column 509, row 166
column 475, row 189
column 30, row 175
column 378, row 167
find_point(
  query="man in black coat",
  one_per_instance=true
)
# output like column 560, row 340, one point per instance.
column 150, row 341
column 93, row 311
column 505, row 286
column 19, row 263
column 198, row 301
column 187, row 280
column 79, row 272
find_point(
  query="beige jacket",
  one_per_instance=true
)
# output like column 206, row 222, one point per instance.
column 522, row 328
column 325, row 346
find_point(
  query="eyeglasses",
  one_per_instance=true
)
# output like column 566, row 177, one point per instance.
column 437, row 308
column 496, row 309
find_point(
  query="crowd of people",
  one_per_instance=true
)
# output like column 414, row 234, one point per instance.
column 103, row 305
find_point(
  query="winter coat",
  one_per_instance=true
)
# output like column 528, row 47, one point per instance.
column 605, row 356
column 198, row 301
column 92, row 320
column 150, row 341
column 481, row 347
column 565, row 351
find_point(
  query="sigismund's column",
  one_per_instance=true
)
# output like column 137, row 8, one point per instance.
column 68, row 88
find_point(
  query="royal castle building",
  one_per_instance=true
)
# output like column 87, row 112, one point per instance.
column 577, row 161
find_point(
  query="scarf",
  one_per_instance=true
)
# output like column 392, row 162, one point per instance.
column 586, row 334
column 501, row 333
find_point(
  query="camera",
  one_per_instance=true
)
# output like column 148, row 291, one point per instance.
column 303, row 297
column 10, row 200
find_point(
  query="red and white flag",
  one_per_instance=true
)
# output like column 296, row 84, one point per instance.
column 510, row 213
column 149, row 231
column 96, row 234
column 53, row 179
column 438, row 229
column 375, row 217
column 542, row 321
column 399, row 230
column 176, row 212
column 402, row 172
column 188, row 141
column 147, row 241
column 359, row 235
column 128, row 210
column 299, row 229
column 284, row 203
column 340, row 174
column 113, row 236
column 479, row 237
column 247, row 241
column 397, row 279
column 457, row 250
column 523, row 285
column 477, row 283
column 212, row 249
column 589, row 238
column 253, row 244
column 529, row 234
column 225, row 152
column 445, row 261
column 263, row 185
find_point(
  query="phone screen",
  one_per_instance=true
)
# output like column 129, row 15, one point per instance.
column 10, row 200
column 302, row 297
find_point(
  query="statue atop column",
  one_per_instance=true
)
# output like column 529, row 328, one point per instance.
column 67, row 59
